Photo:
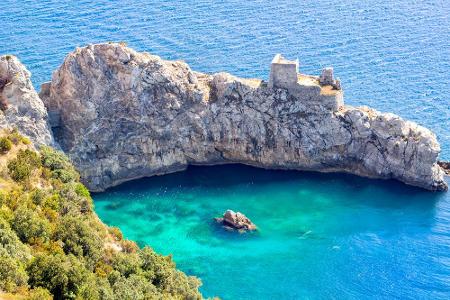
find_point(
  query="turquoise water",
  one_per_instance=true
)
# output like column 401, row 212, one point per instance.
column 321, row 236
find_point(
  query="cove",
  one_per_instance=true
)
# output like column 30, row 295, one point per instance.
column 320, row 236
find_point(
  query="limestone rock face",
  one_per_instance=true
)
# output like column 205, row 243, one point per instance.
column 121, row 115
column 21, row 106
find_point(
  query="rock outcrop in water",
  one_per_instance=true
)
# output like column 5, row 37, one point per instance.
column 121, row 115
column 20, row 105
column 445, row 165
column 236, row 221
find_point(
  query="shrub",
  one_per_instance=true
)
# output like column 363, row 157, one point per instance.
column 12, row 274
column 18, row 170
column 53, row 231
column 37, row 196
column 10, row 244
column 129, row 246
column 82, row 191
column 16, row 138
column 5, row 145
column 126, row 263
column 30, row 226
column 133, row 287
column 59, row 164
column 39, row 294
column 62, row 275
column 72, row 202
column 65, row 175
column 6, row 213
column 79, row 238
column 116, row 233
column 52, row 202
column 21, row 167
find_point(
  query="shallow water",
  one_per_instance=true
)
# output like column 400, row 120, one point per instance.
column 321, row 236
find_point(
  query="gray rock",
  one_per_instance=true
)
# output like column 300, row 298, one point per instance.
column 21, row 106
column 123, row 115
column 236, row 221
column 445, row 165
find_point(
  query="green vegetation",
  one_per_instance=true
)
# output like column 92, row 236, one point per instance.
column 5, row 145
column 16, row 138
column 52, row 245
column 21, row 167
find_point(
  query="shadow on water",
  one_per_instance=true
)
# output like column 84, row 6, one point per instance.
column 319, row 197
column 380, row 193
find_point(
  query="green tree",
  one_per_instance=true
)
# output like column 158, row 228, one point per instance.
column 134, row 287
column 39, row 294
column 10, row 244
column 79, row 238
column 126, row 263
column 12, row 274
column 62, row 275
column 30, row 226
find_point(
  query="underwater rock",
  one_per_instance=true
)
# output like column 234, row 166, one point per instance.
column 237, row 221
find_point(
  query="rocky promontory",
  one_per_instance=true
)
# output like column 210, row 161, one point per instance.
column 120, row 115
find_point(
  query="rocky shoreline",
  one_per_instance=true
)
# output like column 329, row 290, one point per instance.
column 121, row 115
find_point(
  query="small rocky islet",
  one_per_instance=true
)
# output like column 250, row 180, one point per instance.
column 236, row 221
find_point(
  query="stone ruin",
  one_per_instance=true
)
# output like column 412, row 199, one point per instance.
column 283, row 73
column 327, row 78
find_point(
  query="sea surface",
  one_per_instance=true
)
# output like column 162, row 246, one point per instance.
column 321, row 236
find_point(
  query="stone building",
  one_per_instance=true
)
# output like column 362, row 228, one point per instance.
column 327, row 78
column 283, row 73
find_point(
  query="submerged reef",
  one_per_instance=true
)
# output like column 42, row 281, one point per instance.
column 121, row 115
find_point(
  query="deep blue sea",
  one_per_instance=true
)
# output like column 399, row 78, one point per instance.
column 321, row 236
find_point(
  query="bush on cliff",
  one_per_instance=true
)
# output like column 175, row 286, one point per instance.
column 53, row 245
column 21, row 167
column 59, row 165
column 5, row 145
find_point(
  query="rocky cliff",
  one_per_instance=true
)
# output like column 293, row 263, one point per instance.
column 120, row 115
column 20, row 105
